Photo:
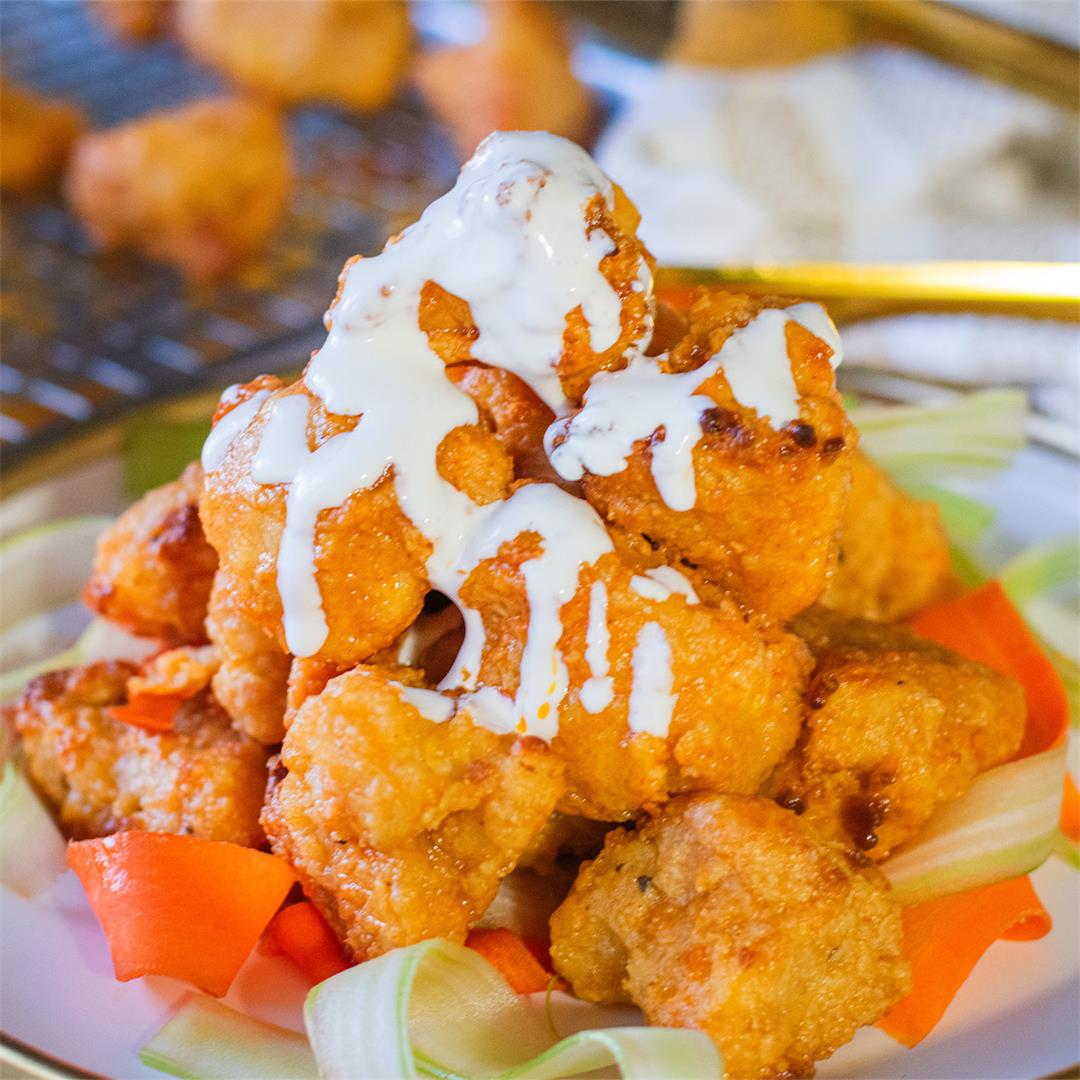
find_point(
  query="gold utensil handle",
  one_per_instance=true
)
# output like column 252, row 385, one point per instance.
column 1038, row 289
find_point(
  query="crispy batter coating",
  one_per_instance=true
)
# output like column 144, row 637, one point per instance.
column 736, row 687
column 769, row 503
column 516, row 78
column 730, row 915
column 400, row 828
column 200, row 187
column 896, row 728
column 133, row 20
column 448, row 323
column 153, row 567
column 251, row 682
column 339, row 51
column 515, row 413
column 370, row 559
column 105, row 776
column 894, row 554
column 36, row 134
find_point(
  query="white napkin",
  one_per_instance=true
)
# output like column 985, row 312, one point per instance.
column 879, row 154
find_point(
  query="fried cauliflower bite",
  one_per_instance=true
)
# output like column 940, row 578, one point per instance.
column 200, row 187
column 104, row 775
column 894, row 553
column 399, row 827
column 733, row 686
column 153, row 568
column 250, row 683
column 447, row 320
column 729, row 915
column 896, row 728
column 768, row 503
column 517, row 416
column 133, row 20
column 516, row 78
column 36, row 135
column 340, row 51
column 370, row 560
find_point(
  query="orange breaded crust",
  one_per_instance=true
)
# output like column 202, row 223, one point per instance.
column 133, row 20
column 729, row 915
column 200, row 187
column 36, row 135
column 346, row 52
column 738, row 687
column 153, row 567
column 370, row 559
column 897, row 727
column 400, row 829
column 769, row 503
column 516, row 78
column 894, row 553
column 104, row 776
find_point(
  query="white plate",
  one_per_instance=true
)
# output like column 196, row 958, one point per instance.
column 1017, row 1016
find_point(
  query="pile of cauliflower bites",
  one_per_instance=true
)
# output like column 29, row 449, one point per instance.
column 741, row 730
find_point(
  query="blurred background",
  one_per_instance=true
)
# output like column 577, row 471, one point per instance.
column 182, row 179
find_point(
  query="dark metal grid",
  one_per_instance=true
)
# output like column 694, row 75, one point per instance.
column 85, row 335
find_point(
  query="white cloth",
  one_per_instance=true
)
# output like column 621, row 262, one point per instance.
column 880, row 154
column 1039, row 354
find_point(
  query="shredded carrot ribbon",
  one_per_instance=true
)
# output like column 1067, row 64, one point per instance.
column 179, row 905
column 1070, row 810
column 303, row 935
column 152, row 712
column 945, row 938
column 512, row 958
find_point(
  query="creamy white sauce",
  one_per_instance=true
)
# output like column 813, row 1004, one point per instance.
column 652, row 701
column 661, row 582
column 572, row 536
column 598, row 690
column 430, row 704
column 230, row 426
column 624, row 407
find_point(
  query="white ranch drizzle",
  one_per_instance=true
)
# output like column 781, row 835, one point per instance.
column 598, row 690
column 661, row 582
column 652, row 700
column 230, row 426
column 430, row 704
column 572, row 536
column 623, row 407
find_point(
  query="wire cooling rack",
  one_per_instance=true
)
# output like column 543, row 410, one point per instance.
column 85, row 335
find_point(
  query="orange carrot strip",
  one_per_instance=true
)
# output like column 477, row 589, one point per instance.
column 152, row 712
column 302, row 934
column 179, row 905
column 1070, row 810
column 944, row 939
column 983, row 625
column 510, row 956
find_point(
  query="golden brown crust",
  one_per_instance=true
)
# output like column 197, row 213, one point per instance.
column 399, row 828
column 200, row 187
column 728, row 914
column 516, row 78
column 894, row 554
column 737, row 683
column 370, row 559
column 153, row 567
column 339, row 51
column 104, row 776
column 36, row 135
column 769, row 503
column 133, row 20
column 896, row 728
